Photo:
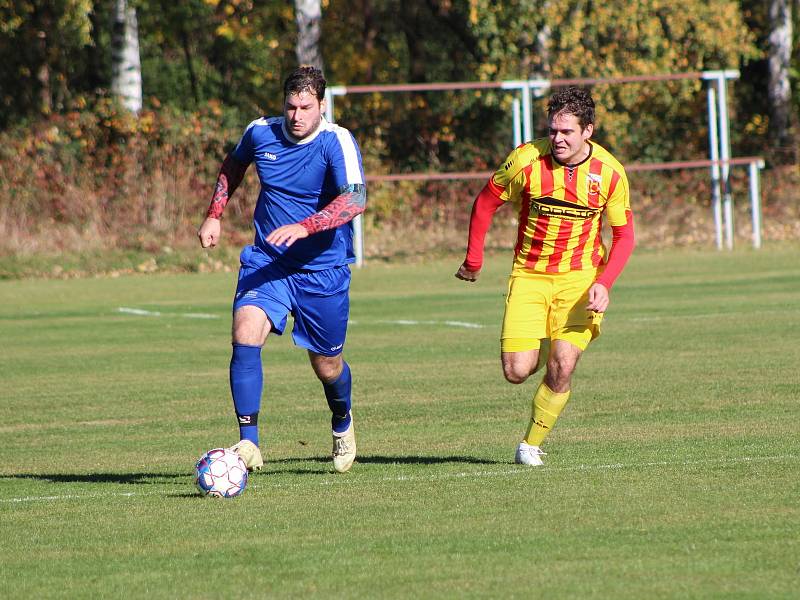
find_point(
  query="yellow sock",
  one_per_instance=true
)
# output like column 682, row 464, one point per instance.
column 546, row 407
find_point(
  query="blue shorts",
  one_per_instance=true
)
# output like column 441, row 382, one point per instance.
column 319, row 301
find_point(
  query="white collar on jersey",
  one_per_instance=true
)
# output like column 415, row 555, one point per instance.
column 322, row 124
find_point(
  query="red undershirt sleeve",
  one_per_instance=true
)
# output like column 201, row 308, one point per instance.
column 351, row 202
column 622, row 244
column 486, row 204
column 231, row 174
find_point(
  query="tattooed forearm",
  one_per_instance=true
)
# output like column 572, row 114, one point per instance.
column 230, row 176
column 350, row 202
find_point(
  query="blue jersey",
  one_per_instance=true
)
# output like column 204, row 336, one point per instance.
column 297, row 180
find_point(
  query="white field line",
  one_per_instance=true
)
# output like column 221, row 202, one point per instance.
column 713, row 315
column 511, row 472
column 154, row 313
column 138, row 311
column 448, row 323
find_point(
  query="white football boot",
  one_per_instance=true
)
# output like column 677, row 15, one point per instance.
column 529, row 455
column 250, row 454
column 344, row 449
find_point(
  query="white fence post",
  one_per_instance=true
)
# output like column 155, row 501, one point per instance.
column 713, row 154
column 358, row 224
column 755, row 201
column 515, row 109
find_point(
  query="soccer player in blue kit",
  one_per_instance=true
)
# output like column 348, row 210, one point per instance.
column 312, row 186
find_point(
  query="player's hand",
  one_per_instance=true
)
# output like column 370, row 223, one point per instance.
column 598, row 298
column 209, row 232
column 465, row 274
column 286, row 235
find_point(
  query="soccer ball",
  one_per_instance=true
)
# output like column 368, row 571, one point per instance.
column 221, row 473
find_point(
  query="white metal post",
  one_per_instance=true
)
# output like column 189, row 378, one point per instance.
column 538, row 88
column 725, row 155
column 329, row 105
column 358, row 240
column 713, row 154
column 723, row 145
column 358, row 223
column 527, row 125
column 515, row 111
column 755, row 201
column 529, row 88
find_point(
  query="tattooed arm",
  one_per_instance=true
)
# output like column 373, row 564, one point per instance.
column 230, row 176
column 351, row 201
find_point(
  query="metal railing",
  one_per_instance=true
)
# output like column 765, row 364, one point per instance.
column 719, row 162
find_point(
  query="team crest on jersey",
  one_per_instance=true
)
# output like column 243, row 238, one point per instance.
column 594, row 182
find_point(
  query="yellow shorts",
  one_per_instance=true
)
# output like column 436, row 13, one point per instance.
column 548, row 305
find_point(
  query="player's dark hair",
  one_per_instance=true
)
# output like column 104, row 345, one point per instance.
column 305, row 79
column 572, row 101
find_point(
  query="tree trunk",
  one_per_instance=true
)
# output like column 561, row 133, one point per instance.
column 43, row 19
column 541, row 48
column 126, row 79
column 187, row 55
column 45, row 95
column 94, row 59
column 370, row 34
column 308, row 14
column 412, row 25
column 780, row 54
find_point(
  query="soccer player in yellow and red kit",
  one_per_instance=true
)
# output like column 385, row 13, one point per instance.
column 560, row 186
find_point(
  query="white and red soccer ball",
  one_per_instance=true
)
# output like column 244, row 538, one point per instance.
column 221, row 473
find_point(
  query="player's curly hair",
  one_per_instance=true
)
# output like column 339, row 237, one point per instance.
column 572, row 101
column 305, row 79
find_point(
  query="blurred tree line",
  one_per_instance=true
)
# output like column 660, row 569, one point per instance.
column 57, row 55
column 209, row 67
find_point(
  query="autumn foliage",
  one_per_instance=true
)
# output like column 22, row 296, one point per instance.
column 80, row 173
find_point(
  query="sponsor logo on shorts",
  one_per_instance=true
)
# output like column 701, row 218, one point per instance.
column 335, row 348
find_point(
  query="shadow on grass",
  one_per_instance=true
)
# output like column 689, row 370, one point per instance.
column 173, row 478
column 124, row 478
column 193, row 496
column 376, row 459
column 426, row 460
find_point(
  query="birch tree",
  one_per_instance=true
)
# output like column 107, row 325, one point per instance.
column 308, row 15
column 126, row 80
column 780, row 54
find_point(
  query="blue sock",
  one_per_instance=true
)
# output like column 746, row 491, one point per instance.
column 338, row 396
column 247, row 381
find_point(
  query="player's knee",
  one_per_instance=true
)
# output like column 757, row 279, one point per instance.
column 250, row 326
column 514, row 374
column 561, row 365
column 327, row 368
column 247, row 337
column 559, row 375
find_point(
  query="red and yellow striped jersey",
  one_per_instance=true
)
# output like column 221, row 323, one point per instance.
column 560, row 208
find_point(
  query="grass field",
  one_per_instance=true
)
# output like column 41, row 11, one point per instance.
column 674, row 472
